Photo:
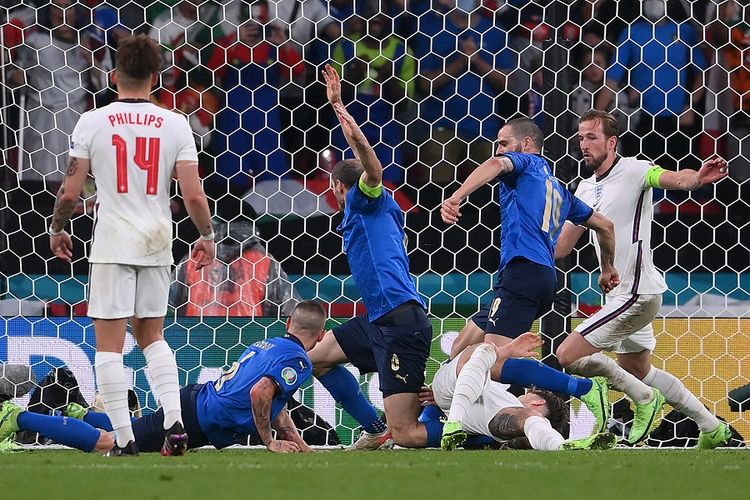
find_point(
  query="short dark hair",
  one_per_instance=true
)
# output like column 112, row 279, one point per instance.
column 608, row 121
column 138, row 59
column 348, row 172
column 559, row 411
column 525, row 127
column 309, row 316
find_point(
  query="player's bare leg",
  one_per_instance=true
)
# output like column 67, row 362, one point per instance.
column 578, row 356
column 402, row 412
column 162, row 368
column 113, row 389
column 327, row 355
column 470, row 334
column 105, row 443
column 713, row 433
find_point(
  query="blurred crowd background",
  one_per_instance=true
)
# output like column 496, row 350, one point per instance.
column 430, row 81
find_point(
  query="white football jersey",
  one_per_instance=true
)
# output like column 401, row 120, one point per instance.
column 623, row 196
column 133, row 146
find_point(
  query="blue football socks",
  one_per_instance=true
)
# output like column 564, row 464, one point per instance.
column 345, row 389
column 532, row 373
column 63, row 430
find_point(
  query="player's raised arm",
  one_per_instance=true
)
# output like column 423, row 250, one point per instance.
column 286, row 430
column 373, row 175
column 261, row 397
column 196, row 205
column 65, row 204
column 481, row 175
column 710, row 172
column 605, row 232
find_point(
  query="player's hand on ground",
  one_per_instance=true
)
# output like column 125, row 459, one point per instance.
column 426, row 396
column 333, row 84
column 280, row 446
column 608, row 280
column 348, row 124
column 449, row 210
column 524, row 346
column 713, row 170
column 62, row 246
column 204, row 252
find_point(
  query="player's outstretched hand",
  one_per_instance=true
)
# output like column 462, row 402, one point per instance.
column 713, row 170
column 524, row 346
column 62, row 246
column 281, row 446
column 609, row 279
column 204, row 253
column 426, row 396
column 449, row 210
column 333, row 84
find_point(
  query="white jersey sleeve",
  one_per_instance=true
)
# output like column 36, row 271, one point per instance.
column 186, row 143
column 80, row 141
column 638, row 172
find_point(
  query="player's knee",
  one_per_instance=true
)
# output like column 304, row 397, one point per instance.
column 635, row 367
column 565, row 356
column 105, row 443
column 525, row 413
column 485, row 349
column 407, row 435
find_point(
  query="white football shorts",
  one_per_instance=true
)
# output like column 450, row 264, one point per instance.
column 122, row 291
column 624, row 325
column 494, row 398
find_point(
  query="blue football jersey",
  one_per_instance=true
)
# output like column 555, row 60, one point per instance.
column 534, row 205
column 375, row 244
column 225, row 412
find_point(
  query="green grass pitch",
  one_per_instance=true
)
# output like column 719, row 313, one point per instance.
column 423, row 474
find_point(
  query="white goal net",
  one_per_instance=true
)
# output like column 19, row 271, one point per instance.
column 431, row 82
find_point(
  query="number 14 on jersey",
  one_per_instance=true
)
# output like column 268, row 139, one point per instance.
column 146, row 157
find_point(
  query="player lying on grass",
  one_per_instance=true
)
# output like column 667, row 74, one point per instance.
column 249, row 398
column 475, row 404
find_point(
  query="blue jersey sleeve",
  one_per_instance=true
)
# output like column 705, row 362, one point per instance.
column 289, row 372
column 357, row 201
column 520, row 161
column 579, row 212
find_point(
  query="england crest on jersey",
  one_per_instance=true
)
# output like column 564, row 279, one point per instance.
column 598, row 193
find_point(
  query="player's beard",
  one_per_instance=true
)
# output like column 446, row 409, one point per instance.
column 594, row 162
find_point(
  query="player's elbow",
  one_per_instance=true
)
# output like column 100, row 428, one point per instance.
column 69, row 197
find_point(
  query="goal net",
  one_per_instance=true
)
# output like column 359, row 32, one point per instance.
column 431, row 82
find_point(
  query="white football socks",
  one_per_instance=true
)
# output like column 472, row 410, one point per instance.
column 681, row 398
column 162, row 368
column 113, row 390
column 541, row 435
column 471, row 380
column 598, row 364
